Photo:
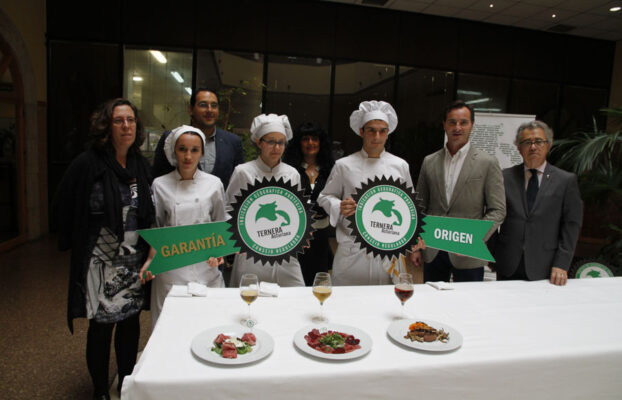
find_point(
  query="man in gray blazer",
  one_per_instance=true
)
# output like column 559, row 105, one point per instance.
column 544, row 213
column 459, row 181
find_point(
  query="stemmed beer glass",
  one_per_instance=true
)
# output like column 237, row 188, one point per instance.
column 322, row 289
column 249, row 290
column 404, row 289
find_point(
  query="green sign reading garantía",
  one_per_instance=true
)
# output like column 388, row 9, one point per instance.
column 179, row 246
column 271, row 221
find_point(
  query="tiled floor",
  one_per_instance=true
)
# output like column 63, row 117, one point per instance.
column 39, row 358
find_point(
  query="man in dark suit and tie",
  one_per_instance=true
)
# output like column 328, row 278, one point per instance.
column 544, row 213
column 223, row 150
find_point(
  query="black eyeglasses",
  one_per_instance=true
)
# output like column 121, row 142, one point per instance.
column 121, row 121
column 529, row 143
column 273, row 143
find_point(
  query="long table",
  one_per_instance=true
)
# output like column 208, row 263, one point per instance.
column 529, row 340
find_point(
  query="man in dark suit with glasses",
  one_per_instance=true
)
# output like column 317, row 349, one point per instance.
column 544, row 213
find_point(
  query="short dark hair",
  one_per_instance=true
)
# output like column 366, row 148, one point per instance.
column 101, row 122
column 455, row 105
column 193, row 96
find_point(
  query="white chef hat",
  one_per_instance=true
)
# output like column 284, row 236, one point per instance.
column 370, row 110
column 264, row 124
column 171, row 140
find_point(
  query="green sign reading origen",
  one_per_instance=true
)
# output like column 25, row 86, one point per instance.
column 178, row 246
column 457, row 235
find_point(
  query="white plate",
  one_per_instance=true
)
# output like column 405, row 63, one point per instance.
column 203, row 342
column 398, row 329
column 365, row 342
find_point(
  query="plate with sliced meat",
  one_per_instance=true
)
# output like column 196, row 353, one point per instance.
column 333, row 341
column 232, row 345
column 426, row 335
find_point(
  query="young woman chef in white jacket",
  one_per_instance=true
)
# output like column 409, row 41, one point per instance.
column 185, row 196
column 270, row 133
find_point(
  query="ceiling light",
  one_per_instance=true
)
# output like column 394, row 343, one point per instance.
column 158, row 56
column 615, row 9
column 491, row 5
column 553, row 16
column 485, row 99
column 177, row 77
column 189, row 90
column 137, row 78
column 487, row 109
column 469, row 92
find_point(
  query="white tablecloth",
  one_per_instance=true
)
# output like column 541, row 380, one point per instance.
column 527, row 340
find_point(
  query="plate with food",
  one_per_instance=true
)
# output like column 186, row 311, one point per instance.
column 333, row 342
column 425, row 335
column 232, row 345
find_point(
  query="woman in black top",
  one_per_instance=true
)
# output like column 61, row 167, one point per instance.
column 103, row 199
column 309, row 152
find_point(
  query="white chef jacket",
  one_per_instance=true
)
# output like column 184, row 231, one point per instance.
column 351, row 265
column 186, row 202
column 286, row 273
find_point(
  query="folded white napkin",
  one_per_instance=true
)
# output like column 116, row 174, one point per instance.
column 440, row 285
column 179, row 291
column 268, row 289
column 197, row 289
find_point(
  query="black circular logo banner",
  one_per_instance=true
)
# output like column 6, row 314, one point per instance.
column 271, row 221
column 386, row 222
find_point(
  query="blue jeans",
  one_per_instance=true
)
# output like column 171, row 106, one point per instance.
column 440, row 269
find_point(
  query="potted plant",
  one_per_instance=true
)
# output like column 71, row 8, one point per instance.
column 596, row 157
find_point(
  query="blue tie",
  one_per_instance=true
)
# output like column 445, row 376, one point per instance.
column 532, row 188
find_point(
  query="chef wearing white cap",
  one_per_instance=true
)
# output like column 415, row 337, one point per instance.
column 271, row 133
column 373, row 121
column 186, row 196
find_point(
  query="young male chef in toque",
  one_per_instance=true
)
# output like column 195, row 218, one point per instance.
column 374, row 121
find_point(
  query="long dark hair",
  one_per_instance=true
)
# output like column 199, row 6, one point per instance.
column 101, row 122
column 293, row 154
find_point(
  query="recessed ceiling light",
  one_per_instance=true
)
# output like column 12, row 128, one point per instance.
column 158, row 56
column 615, row 9
column 137, row 78
column 484, row 100
column 491, row 5
column 553, row 16
column 177, row 77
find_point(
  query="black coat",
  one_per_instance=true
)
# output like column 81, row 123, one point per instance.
column 71, row 210
column 318, row 257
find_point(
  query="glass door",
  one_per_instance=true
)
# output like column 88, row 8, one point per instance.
column 12, row 209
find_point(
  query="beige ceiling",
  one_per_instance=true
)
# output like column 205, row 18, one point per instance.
column 589, row 18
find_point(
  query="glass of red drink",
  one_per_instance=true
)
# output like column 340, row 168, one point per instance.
column 404, row 289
